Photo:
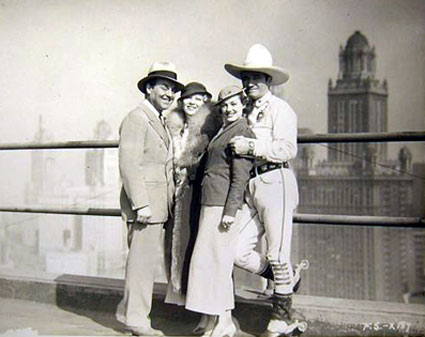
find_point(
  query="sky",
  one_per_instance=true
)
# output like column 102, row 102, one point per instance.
column 77, row 62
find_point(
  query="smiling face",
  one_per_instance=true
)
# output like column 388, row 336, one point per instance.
column 232, row 109
column 257, row 84
column 161, row 93
column 192, row 103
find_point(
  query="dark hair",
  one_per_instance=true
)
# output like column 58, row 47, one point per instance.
column 152, row 82
column 268, row 77
column 244, row 98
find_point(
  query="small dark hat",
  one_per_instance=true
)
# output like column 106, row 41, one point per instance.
column 194, row 88
column 164, row 70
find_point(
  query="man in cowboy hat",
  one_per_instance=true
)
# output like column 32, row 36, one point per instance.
column 145, row 161
column 272, row 190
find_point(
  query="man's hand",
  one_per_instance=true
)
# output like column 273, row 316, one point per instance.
column 227, row 221
column 239, row 144
column 143, row 215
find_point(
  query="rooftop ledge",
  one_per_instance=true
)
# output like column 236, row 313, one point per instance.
column 325, row 316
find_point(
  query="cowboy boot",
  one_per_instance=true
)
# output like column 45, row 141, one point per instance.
column 280, row 318
column 282, row 299
column 281, row 321
column 283, row 277
column 267, row 273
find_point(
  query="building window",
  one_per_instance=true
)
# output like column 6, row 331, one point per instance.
column 340, row 117
column 66, row 237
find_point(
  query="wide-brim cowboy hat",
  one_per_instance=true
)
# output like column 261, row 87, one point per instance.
column 259, row 59
column 164, row 70
column 193, row 88
column 229, row 92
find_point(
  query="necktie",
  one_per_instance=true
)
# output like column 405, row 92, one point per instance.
column 161, row 118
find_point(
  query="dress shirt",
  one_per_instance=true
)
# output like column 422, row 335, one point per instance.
column 275, row 126
column 154, row 110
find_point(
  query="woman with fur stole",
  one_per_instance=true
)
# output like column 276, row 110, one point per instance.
column 191, row 125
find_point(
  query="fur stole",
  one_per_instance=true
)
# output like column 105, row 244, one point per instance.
column 198, row 130
column 201, row 127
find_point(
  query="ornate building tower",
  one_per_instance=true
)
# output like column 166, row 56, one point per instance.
column 358, row 101
column 373, row 263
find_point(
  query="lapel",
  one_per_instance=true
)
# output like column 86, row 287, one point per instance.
column 156, row 124
column 226, row 130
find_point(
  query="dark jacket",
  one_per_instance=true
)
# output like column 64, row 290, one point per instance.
column 226, row 174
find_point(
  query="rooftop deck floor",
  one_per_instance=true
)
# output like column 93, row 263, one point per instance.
column 85, row 306
column 21, row 317
column 27, row 318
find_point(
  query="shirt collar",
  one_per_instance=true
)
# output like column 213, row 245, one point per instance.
column 151, row 107
column 262, row 100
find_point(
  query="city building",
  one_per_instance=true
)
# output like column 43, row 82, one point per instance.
column 72, row 244
column 358, row 262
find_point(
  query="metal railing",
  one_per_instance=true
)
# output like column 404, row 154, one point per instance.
column 302, row 139
column 409, row 222
column 325, row 219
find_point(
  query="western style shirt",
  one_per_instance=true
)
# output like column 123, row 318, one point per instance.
column 275, row 126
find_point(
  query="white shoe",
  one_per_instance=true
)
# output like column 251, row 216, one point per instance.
column 144, row 331
column 221, row 330
column 209, row 325
column 202, row 324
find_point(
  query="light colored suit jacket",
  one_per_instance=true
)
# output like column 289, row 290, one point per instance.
column 146, row 166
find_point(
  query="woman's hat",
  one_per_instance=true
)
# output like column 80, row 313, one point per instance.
column 164, row 70
column 259, row 60
column 228, row 92
column 194, row 88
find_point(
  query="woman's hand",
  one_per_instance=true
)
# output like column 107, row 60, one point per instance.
column 227, row 221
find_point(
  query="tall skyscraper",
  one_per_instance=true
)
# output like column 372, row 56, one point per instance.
column 358, row 101
column 357, row 179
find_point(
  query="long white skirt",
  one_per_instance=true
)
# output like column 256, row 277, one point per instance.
column 210, row 287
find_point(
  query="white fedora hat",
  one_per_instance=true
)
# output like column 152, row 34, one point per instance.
column 164, row 70
column 259, row 60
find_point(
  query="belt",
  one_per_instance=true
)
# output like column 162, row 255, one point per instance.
column 257, row 170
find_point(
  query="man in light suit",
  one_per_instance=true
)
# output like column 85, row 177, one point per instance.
column 145, row 161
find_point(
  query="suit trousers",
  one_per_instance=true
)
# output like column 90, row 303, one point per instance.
column 273, row 196
column 135, row 307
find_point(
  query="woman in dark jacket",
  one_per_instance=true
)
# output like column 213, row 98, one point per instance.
column 210, row 286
